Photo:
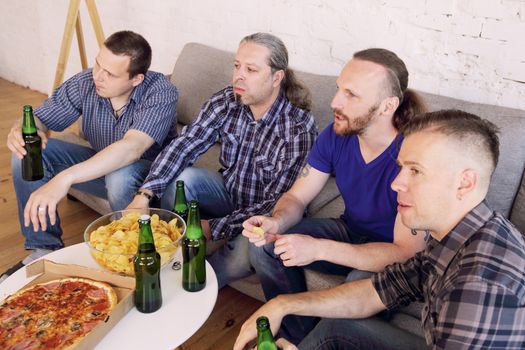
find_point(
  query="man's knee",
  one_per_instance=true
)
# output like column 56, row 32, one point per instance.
column 188, row 175
column 260, row 256
column 118, row 181
column 16, row 166
column 130, row 176
column 122, row 184
column 193, row 178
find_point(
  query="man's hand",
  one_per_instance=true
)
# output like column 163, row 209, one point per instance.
column 44, row 202
column 285, row 344
column 15, row 140
column 296, row 249
column 139, row 202
column 206, row 230
column 253, row 227
column 273, row 310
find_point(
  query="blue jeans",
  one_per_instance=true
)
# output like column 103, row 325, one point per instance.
column 230, row 261
column 118, row 187
column 368, row 333
column 278, row 279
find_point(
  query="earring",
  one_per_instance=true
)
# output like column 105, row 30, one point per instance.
column 458, row 196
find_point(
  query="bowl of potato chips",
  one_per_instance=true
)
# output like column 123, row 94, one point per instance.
column 113, row 238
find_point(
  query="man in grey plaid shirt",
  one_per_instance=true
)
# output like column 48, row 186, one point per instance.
column 470, row 276
column 265, row 130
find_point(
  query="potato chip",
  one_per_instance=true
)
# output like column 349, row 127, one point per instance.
column 258, row 231
column 116, row 242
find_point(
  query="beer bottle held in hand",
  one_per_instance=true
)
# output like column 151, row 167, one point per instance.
column 264, row 335
column 32, row 168
column 148, row 296
column 181, row 206
column 193, row 252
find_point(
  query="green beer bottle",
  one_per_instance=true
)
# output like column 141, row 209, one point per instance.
column 181, row 206
column 264, row 335
column 148, row 296
column 193, row 252
column 32, row 168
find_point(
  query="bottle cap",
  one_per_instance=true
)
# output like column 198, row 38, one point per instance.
column 144, row 217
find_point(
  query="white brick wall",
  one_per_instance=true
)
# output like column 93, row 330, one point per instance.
column 470, row 49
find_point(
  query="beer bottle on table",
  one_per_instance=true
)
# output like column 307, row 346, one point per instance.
column 181, row 206
column 148, row 296
column 32, row 168
column 264, row 335
column 193, row 252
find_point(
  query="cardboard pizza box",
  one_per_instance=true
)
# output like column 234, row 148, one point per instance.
column 124, row 286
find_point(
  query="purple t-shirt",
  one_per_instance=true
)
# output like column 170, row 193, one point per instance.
column 370, row 203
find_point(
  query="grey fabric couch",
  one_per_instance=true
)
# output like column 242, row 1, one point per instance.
column 201, row 70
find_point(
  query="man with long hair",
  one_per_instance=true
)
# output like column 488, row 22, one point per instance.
column 265, row 131
column 371, row 106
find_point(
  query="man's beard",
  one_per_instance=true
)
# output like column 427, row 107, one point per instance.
column 357, row 125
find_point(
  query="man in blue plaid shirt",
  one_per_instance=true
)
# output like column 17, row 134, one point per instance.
column 471, row 274
column 265, row 130
column 128, row 115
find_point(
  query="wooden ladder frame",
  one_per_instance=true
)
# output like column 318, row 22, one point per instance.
column 73, row 21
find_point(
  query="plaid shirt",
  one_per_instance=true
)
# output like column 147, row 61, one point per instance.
column 151, row 110
column 472, row 284
column 260, row 159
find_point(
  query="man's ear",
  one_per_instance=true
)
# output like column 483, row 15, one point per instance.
column 278, row 78
column 468, row 182
column 137, row 79
column 390, row 105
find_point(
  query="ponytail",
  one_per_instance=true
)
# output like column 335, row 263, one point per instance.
column 411, row 105
column 295, row 91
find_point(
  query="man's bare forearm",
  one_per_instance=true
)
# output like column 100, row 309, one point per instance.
column 367, row 257
column 111, row 158
column 356, row 299
column 288, row 211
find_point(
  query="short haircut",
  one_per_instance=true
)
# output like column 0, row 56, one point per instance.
column 469, row 130
column 133, row 45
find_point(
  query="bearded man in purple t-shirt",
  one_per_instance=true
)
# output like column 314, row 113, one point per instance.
column 371, row 106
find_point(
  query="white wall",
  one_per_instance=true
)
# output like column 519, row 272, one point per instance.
column 470, row 49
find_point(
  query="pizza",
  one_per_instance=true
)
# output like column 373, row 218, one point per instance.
column 54, row 315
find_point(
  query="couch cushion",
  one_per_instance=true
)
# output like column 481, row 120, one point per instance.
column 508, row 174
column 328, row 194
column 408, row 323
column 332, row 209
column 322, row 88
column 200, row 71
column 517, row 215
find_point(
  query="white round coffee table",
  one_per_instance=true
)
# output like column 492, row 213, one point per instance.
column 181, row 315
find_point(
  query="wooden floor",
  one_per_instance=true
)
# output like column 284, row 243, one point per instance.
column 232, row 307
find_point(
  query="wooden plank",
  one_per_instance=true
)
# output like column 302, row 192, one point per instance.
column 81, row 44
column 65, row 47
column 95, row 20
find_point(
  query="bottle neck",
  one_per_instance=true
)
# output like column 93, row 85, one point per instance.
column 145, row 237
column 181, row 206
column 28, row 126
column 194, row 229
column 265, row 336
